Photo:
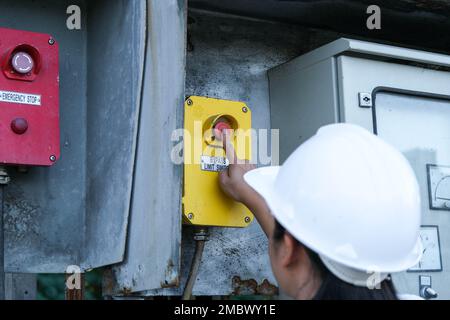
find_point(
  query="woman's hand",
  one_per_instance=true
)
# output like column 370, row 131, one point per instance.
column 232, row 180
column 233, row 184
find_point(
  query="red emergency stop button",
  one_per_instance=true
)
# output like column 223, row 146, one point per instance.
column 19, row 125
column 22, row 62
column 219, row 127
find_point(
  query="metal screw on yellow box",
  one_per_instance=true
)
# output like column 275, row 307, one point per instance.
column 204, row 157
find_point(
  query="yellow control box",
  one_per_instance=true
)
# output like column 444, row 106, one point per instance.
column 204, row 203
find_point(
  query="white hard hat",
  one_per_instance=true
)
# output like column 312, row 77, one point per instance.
column 350, row 197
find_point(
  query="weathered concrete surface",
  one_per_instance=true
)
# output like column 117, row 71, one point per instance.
column 418, row 23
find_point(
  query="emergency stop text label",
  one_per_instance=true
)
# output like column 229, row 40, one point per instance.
column 18, row 97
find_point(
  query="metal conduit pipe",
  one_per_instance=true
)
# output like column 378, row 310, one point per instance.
column 200, row 236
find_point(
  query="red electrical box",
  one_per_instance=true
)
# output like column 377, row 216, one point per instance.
column 29, row 98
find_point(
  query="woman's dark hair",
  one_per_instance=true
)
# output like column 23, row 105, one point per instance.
column 333, row 288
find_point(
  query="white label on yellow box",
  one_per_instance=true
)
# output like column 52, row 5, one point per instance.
column 214, row 164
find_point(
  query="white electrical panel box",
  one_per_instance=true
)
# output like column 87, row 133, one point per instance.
column 403, row 95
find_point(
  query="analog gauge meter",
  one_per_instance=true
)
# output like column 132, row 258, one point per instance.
column 431, row 257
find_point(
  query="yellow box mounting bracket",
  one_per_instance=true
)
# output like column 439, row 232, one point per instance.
column 204, row 203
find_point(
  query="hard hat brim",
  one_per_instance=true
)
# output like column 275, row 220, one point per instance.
column 353, row 276
column 262, row 180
